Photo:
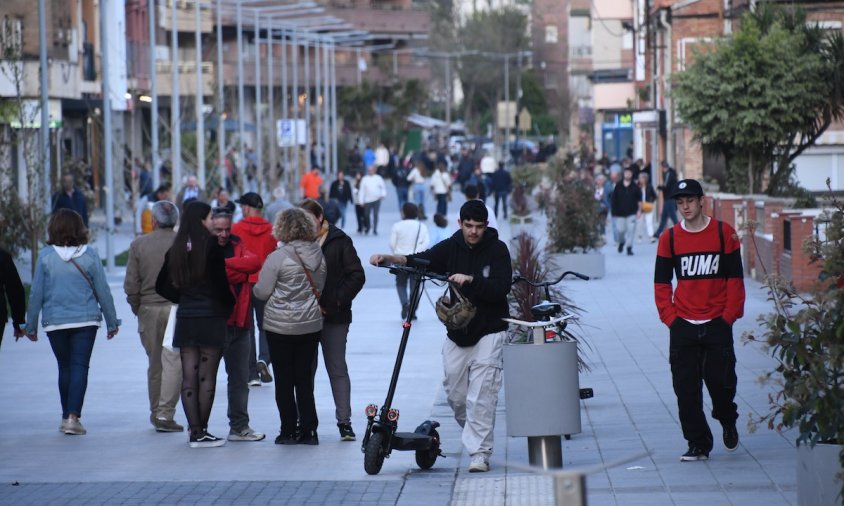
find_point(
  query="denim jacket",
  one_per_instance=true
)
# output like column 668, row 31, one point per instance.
column 62, row 295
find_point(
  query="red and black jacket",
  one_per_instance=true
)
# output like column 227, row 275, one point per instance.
column 710, row 277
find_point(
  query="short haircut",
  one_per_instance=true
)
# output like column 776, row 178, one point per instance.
column 313, row 207
column 165, row 213
column 409, row 211
column 474, row 210
column 471, row 192
column 66, row 228
column 294, row 224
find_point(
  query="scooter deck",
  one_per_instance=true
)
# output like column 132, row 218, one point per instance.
column 404, row 441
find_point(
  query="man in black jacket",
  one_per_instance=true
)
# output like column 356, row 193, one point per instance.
column 479, row 263
column 11, row 290
column 626, row 207
column 345, row 279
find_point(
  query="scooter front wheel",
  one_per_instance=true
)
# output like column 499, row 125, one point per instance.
column 373, row 456
column 425, row 459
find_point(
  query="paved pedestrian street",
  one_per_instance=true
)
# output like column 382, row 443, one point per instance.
column 122, row 460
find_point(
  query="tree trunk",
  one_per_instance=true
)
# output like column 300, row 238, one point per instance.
column 750, row 173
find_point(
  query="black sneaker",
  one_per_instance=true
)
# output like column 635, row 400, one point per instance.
column 629, row 251
column 731, row 437
column 404, row 311
column 286, row 439
column 309, row 437
column 694, row 454
column 203, row 439
column 621, row 246
column 346, row 432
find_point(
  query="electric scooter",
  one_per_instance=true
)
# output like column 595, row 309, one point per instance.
column 381, row 436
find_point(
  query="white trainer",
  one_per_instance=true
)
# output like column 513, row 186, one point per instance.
column 479, row 464
column 246, row 434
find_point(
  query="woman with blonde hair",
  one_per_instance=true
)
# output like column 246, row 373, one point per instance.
column 71, row 293
column 291, row 282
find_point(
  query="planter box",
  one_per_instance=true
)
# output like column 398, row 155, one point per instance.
column 590, row 264
column 816, row 469
column 541, row 389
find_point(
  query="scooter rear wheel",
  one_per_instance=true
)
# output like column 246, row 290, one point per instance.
column 425, row 459
column 373, row 457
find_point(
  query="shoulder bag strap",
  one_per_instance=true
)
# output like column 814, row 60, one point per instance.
column 87, row 278
column 314, row 289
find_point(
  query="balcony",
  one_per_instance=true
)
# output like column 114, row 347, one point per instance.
column 185, row 21
column 187, row 78
column 137, row 64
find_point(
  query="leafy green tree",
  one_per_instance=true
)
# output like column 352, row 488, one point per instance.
column 763, row 96
column 489, row 33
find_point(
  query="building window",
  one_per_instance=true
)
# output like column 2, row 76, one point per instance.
column 551, row 35
column 11, row 36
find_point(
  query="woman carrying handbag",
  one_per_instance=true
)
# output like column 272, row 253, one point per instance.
column 291, row 281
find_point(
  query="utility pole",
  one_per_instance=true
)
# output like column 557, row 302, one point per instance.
column 45, row 105
column 200, row 122
column 221, row 115
column 271, row 103
column 448, row 97
column 506, row 107
column 109, row 175
column 240, row 108
column 259, row 146
column 153, row 81
column 175, row 114
column 334, row 105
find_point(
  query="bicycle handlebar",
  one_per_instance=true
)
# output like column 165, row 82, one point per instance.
column 546, row 284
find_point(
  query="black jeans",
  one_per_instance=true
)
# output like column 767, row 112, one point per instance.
column 703, row 354
column 293, row 358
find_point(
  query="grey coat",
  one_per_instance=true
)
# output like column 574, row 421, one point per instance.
column 291, row 306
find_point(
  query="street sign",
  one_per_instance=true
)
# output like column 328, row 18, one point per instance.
column 290, row 132
column 524, row 120
column 506, row 114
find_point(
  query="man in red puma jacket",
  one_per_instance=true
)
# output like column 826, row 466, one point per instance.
column 257, row 236
column 705, row 254
column 240, row 264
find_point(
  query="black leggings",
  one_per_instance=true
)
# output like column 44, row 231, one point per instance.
column 199, row 382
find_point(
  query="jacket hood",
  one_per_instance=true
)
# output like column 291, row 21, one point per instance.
column 68, row 252
column 255, row 226
column 490, row 236
column 309, row 252
column 334, row 232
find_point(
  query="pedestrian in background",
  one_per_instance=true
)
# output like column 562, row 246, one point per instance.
column 344, row 280
column 164, row 368
column 290, row 282
column 11, row 291
column 341, row 191
column 310, row 183
column 360, row 216
column 441, row 231
column 71, row 293
column 502, row 184
column 372, row 192
column 70, row 198
column 416, row 177
column 257, row 236
column 407, row 237
column 626, row 208
column 647, row 196
column 190, row 191
column 240, row 264
column 441, row 188
column 194, row 277
column 700, row 312
column 669, row 205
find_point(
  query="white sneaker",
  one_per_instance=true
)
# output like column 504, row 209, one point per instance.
column 246, row 434
column 480, row 463
column 255, row 383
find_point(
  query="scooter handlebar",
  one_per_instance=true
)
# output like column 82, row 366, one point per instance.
column 415, row 271
column 543, row 284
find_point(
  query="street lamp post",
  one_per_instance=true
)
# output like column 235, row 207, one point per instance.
column 200, row 123
column 175, row 120
column 153, row 80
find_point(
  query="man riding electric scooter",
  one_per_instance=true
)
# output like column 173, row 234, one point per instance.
column 478, row 265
